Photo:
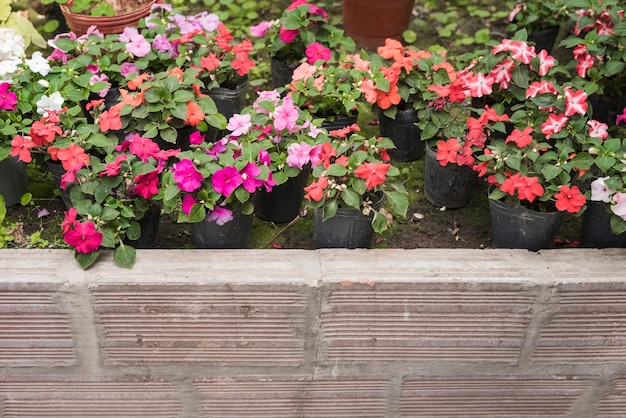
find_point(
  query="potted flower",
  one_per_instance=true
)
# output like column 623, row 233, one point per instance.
column 333, row 92
column 541, row 20
column 401, row 75
column 604, row 220
column 303, row 32
column 288, row 135
column 108, row 16
column 113, row 202
column 597, row 44
column 351, row 182
column 212, row 185
column 536, row 167
column 174, row 43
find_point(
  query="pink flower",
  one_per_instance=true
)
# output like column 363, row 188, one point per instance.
column 585, row 62
column 480, row 85
column 285, row 116
column 522, row 52
column 143, row 148
column 546, row 61
column 187, row 204
column 186, row 176
column 226, row 180
column 113, row 168
column 599, row 191
column 575, row 102
column 553, row 125
column 316, row 51
column 220, row 215
column 83, row 237
column 128, row 68
column 136, row 44
column 540, row 87
column 260, row 29
column 620, row 207
column 239, row 124
column 598, row 129
column 621, row 118
column 303, row 71
column 299, row 154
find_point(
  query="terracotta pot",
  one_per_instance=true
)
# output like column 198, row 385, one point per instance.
column 79, row 23
column 370, row 22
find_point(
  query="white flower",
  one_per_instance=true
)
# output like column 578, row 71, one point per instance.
column 54, row 103
column 599, row 191
column 38, row 64
column 11, row 45
column 44, row 83
column 8, row 68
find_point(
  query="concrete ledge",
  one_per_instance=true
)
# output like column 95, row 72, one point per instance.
column 326, row 333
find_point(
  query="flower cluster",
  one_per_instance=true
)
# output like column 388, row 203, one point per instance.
column 333, row 89
column 350, row 171
column 287, row 133
column 609, row 186
column 303, row 31
column 402, row 73
column 598, row 45
column 110, row 196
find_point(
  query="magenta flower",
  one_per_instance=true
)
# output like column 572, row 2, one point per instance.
column 186, row 176
column 196, row 138
column 226, row 180
column 287, row 35
column 264, row 158
column 8, row 99
column 260, row 29
column 621, row 118
column 188, row 202
column 249, row 175
column 220, row 215
column 298, row 154
column 83, row 237
column 316, row 51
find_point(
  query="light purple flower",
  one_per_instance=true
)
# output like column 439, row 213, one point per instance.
column 599, row 191
column 42, row 213
column 161, row 44
column 226, row 180
column 260, row 29
column 136, row 44
column 186, row 176
column 220, row 215
column 208, row 21
column 239, row 124
column 299, row 154
column 128, row 68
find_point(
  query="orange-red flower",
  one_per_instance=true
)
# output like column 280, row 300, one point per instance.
column 373, row 173
column 73, row 157
column 315, row 191
column 386, row 99
column 195, row 115
column 570, row 199
column 447, row 151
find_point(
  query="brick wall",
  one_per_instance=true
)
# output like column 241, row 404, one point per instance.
column 328, row 333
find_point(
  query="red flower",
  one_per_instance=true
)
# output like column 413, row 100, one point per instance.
column 521, row 138
column 569, row 199
column 447, row 151
column 315, row 191
column 20, row 147
column 528, row 188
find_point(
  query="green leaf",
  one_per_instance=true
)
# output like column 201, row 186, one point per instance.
column 379, row 223
column 86, row 260
column 337, row 170
column 549, row 171
column 351, row 198
column 399, row 202
column 124, row 256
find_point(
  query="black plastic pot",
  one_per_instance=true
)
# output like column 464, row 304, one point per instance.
column 228, row 102
column 596, row 228
column 233, row 234
column 606, row 108
column 544, row 38
column 349, row 228
column 281, row 72
column 13, row 180
column 450, row 186
column 57, row 171
column 339, row 122
column 405, row 135
column 149, row 229
column 283, row 203
column 514, row 226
